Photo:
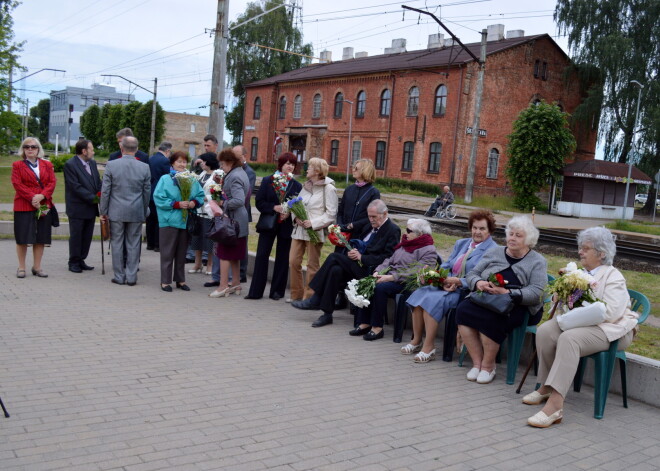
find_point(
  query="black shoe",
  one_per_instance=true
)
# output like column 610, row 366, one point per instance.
column 306, row 305
column 167, row 288
column 131, row 283
column 150, row 247
column 324, row 319
column 371, row 335
column 84, row 266
column 118, row 282
column 182, row 287
column 252, row 297
column 75, row 268
column 190, row 260
column 340, row 301
column 243, row 279
column 211, row 284
column 157, row 249
column 357, row 331
column 275, row 297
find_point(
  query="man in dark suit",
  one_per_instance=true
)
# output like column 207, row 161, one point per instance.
column 159, row 165
column 241, row 152
column 339, row 268
column 82, row 183
column 141, row 156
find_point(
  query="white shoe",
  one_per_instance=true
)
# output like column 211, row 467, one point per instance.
column 195, row 270
column 486, row 377
column 423, row 357
column 541, row 420
column 410, row 349
column 473, row 374
column 535, row 398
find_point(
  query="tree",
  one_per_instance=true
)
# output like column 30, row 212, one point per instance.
column 247, row 62
column 111, row 125
column 128, row 117
column 142, row 129
column 40, row 116
column 91, row 125
column 8, row 50
column 620, row 39
column 10, row 131
column 538, row 146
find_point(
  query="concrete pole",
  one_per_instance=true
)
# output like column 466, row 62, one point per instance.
column 218, row 80
column 153, row 119
column 472, row 164
column 634, row 140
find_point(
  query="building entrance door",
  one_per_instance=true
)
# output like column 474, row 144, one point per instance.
column 298, row 146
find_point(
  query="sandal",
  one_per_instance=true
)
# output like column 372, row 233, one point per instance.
column 422, row 357
column 410, row 349
column 20, row 273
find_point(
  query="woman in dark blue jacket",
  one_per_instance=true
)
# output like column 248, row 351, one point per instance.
column 352, row 212
column 268, row 203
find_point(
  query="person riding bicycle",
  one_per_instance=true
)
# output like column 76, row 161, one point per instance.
column 441, row 202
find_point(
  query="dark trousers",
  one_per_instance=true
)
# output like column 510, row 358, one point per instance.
column 152, row 226
column 174, row 243
column 280, row 271
column 333, row 275
column 374, row 315
column 80, row 239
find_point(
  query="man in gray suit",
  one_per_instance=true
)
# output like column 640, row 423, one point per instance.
column 125, row 202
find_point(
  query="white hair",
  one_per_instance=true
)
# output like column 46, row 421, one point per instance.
column 380, row 206
column 419, row 226
column 602, row 241
column 524, row 224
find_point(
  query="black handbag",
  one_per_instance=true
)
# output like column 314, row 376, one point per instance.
column 194, row 223
column 54, row 217
column 501, row 304
column 224, row 230
column 267, row 222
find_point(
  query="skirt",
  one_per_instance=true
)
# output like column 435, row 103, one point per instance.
column 434, row 301
column 29, row 231
column 237, row 251
column 492, row 325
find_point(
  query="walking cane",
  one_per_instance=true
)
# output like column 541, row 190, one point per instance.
column 534, row 354
column 105, row 235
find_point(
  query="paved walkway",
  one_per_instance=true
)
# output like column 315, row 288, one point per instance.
column 104, row 377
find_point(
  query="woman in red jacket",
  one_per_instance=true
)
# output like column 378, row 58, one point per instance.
column 34, row 181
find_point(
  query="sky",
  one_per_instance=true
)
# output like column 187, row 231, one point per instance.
column 170, row 39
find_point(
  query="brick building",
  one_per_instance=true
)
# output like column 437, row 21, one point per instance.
column 186, row 132
column 412, row 112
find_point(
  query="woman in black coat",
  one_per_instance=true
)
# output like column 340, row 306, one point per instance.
column 352, row 213
column 268, row 203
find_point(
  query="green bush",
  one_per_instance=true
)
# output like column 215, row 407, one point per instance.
column 265, row 167
column 58, row 161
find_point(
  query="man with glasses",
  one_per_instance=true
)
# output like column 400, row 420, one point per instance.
column 376, row 243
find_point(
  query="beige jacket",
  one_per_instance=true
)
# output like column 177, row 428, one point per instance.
column 611, row 289
column 322, row 210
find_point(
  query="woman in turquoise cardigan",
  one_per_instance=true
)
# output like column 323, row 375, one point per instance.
column 174, row 237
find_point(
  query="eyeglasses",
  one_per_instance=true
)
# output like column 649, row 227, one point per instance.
column 30, row 147
column 409, row 231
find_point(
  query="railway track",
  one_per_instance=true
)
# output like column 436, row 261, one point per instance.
column 633, row 251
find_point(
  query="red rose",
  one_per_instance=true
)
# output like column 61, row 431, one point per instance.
column 500, row 279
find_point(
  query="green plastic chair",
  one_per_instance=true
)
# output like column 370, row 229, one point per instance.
column 604, row 361
column 515, row 341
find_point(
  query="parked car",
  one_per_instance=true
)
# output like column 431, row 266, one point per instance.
column 641, row 198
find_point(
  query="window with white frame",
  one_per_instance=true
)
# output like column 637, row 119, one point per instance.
column 493, row 163
column 413, row 101
column 356, row 151
column 316, row 106
column 297, row 107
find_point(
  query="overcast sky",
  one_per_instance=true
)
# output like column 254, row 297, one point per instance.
column 143, row 39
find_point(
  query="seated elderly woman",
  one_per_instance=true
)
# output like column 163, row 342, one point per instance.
column 413, row 252
column 431, row 304
column 524, row 271
column 559, row 351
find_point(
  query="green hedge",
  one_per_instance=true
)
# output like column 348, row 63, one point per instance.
column 59, row 161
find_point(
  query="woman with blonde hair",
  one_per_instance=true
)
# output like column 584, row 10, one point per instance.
column 320, row 199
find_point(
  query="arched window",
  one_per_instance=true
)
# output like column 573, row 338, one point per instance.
column 435, row 153
column 297, row 106
column 361, row 104
column 408, row 154
column 282, row 114
column 385, row 102
column 339, row 105
column 380, row 154
column 334, row 152
column 413, row 101
column 316, row 106
column 493, row 163
column 257, row 108
column 440, row 105
column 254, row 148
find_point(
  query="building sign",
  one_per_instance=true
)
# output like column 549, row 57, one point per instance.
column 482, row 132
column 610, row 178
column 249, row 128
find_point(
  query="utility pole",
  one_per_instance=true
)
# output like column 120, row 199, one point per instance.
column 630, row 164
column 153, row 119
column 219, row 78
column 472, row 164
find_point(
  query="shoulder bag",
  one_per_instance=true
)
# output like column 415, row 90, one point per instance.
column 267, row 222
column 224, row 230
column 500, row 304
column 194, row 223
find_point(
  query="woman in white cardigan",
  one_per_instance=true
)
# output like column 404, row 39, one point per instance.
column 320, row 199
column 560, row 351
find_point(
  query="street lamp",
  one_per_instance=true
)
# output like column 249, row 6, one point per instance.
column 153, row 106
column 639, row 97
column 350, row 128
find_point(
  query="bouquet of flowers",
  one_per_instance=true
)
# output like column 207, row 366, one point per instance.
column 216, row 191
column 573, row 288
column 339, row 238
column 359, row 292
column 281, row 183
column 42, row 211
column 185, row 181
column 426, row 276
column 97, row 198
column 297, row 207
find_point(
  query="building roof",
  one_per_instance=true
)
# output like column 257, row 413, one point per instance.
column 603, row 170
column 421, row 59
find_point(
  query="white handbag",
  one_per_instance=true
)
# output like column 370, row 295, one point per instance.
column 584, row 316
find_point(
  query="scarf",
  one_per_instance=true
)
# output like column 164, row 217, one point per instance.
column 417, row 243
column 360, row 184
